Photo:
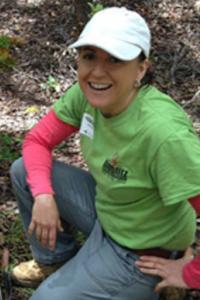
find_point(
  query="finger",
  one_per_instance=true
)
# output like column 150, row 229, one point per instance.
column 31, row 228
column 150, row 271
column 59, row 226
column 44, row 236
column 189, row 252
column 188, row 258
column 150, row 265
column 156, row 272
column 154, row 259
column 146, row 264
column 38, row 232
column 161, row 285
column 52, row 238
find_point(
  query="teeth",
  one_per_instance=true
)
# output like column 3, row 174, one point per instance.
column 99, row 86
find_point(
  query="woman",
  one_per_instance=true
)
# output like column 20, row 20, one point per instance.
column 139, row 197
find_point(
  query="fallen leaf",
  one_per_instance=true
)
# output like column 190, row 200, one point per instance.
column 32, row 109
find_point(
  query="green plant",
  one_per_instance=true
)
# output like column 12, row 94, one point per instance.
column 79, row 236
column 9, row 147
column 6, row 59
column 14, row 237
column 5, row 41
column 18, row 249
column 51, row 84
column 94, row 8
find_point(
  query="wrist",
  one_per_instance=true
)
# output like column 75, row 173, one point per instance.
column 44, row 196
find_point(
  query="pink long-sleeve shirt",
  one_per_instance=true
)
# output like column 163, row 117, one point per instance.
column 37, row 156
column 37, row 151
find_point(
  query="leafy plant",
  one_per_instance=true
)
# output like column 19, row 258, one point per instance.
column 51, row 84
column 5, row 41
column 6, row 59
column 18, row 251
column 94, row 8
column 9, row 147
column 13, row 233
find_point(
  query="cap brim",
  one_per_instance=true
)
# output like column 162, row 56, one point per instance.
column 117, row 48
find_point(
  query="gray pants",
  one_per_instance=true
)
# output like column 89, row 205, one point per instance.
column 101, row 269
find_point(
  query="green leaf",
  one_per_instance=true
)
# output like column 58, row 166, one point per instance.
column 53, row 83
column 5, row 41
column 94, row 8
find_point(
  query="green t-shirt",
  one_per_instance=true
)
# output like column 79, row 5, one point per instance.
column 146, row 162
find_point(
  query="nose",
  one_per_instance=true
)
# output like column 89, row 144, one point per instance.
column 99, row 69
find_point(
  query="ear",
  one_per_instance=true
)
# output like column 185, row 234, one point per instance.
column 143, row 67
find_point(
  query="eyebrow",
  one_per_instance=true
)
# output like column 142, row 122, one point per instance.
column 88, row 48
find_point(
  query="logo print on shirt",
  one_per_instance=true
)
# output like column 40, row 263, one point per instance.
column 111, row 168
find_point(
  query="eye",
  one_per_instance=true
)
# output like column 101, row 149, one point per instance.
column 114, row 60
column 88, row 56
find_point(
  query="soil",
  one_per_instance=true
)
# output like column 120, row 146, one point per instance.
column 41, row 32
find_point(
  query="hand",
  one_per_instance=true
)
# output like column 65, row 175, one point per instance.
column 169, row 270
column 45, row 220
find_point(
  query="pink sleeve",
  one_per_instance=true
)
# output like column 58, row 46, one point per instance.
column 191, row 271
column 37, row 151
column 195, row 202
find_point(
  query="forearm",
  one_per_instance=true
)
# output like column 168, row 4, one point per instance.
column 37, row 151
column 38, row 163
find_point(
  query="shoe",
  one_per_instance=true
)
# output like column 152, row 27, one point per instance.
column 31, row 273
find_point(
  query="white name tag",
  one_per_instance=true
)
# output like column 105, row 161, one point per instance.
column 87, row 127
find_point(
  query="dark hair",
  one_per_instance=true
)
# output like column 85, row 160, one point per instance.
column 148, row 77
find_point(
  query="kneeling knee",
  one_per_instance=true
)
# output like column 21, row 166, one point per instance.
column 17, row 169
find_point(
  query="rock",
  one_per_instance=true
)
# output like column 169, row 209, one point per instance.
column 197, row 6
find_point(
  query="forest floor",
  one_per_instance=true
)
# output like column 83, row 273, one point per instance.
column 44, row 68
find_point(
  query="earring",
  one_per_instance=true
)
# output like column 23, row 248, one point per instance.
column 137, row 83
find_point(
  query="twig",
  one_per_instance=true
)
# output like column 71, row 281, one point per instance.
column 7, row 284
column 178, row 56
column 195, row 99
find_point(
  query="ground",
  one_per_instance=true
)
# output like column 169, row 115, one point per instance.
column 45, row 67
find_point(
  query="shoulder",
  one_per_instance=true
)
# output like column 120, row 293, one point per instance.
column 71, row 105
column 160, row 103
column 72, row 99
column 164, row 110
column 162, row 116
column 73, row 92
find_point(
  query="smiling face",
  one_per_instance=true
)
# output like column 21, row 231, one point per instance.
column 107, row 82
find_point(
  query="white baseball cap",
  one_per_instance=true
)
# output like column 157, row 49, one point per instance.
column 121, row 32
